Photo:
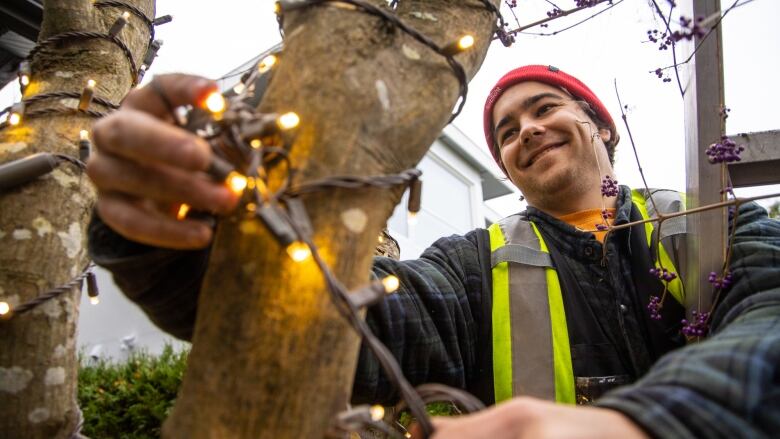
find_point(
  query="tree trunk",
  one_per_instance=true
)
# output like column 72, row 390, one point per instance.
column 43, row 223
column 271, row 357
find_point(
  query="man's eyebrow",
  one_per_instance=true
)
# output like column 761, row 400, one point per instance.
column 528, row 102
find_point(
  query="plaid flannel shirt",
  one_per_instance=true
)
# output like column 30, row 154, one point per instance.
column 438, row 327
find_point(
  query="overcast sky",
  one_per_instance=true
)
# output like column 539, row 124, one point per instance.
column 211, row 38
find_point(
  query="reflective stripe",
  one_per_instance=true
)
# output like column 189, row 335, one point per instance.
column 528, row 358
column 502, row 330
column 564, row 372
column 521, row 255
column 675, row 286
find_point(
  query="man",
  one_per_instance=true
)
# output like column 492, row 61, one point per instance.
column 472, row 311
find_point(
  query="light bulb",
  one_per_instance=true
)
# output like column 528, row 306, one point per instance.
column 14, row 119
column 239, row 88
column 267, row 63
column 215, row 102
column 91, row 83
column 84, row 135
column 377, row 412
column 5, row 308
column 412, row 218
column 236, row 182
column 391, row 283
column 288, row 121
column 94, row 300
column 298, row 251
column 465, row 42
column 24, row 80
column 256, row 143
column 182, row 212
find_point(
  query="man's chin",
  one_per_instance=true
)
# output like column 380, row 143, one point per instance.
column 552, row 184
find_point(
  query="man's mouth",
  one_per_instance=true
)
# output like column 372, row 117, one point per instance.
column 543, row 151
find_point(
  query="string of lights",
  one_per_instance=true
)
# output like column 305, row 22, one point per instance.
column 448, row 52
column 85, row 35
column 247, row 145
column 8, row 312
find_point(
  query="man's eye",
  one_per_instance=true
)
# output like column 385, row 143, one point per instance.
column 508, row 134
column 544, row 109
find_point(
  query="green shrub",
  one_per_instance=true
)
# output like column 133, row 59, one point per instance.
column 130, row 400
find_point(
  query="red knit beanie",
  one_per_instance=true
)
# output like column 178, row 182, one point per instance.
column 548, row 75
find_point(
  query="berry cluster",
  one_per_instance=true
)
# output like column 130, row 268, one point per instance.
column 690, row 29
column 698, row 326
column 663, row 274
column 720, row 282
column 660, row 73
column 609, row 187
column 724, row 151
column 602, row 227
column 554, row 13
column 654, row 307
column 606, row 214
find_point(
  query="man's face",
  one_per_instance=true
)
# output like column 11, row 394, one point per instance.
column 548, row 144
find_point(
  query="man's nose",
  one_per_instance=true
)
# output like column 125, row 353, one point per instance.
column 531, row 132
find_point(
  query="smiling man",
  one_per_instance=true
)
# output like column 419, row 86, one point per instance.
column 533, row 311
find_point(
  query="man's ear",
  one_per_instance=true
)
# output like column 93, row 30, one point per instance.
column 605, row 134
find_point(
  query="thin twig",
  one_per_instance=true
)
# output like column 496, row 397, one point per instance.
column 661, row 217
column 633, row 146
column 562, row 14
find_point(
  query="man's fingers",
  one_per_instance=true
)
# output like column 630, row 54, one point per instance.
column 139, row 223
column 160, row 183
column 144, row 139
column 168, row 92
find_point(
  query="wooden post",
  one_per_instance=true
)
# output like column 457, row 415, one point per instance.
column 43, row 223
column 703, row 84
column 271, row 357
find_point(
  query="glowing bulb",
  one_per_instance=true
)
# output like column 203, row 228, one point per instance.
column 412, row 218
column 14, row 119
column 182, row 213
column 251, row 207
column 381, row 239
column 391, row 283
column 94, row 300
column 377, row 412
column 298, row 251
column 236, row 182
column 91, row 83
column 239, row 88
column 267, row 63
column 5, row 308
column 288, row 121
column 465, row 42
column 256, row 143
column 84, row 135
column 215, row 102
column 25, row 80
column 126, row 15
column 407, row 434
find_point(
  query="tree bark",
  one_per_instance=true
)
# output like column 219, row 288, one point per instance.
column 271, row 357
column 43, row 223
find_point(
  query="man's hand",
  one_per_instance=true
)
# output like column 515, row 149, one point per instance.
column 145, row 167
column 529, row 418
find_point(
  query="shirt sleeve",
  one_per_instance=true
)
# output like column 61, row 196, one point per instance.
column 165, row 284
column 727, row 385
column 436, row 325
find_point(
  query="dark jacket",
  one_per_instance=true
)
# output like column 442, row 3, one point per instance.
column 438, row 325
